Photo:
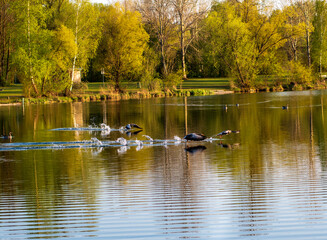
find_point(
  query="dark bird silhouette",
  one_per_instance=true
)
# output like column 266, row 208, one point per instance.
column 195, row 137
column 285, row 107
column 9, row 136
column 195, row 149
column 227, row 132
column 132, row 125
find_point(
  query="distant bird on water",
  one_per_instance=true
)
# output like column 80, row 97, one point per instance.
column 132, row 125
column 9, row 136
column 285, row 107
column 227, row 132
column 195, row 137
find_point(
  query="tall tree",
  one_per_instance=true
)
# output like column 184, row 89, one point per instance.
column 319, row 35
column 158, row 15
column 87, row 34
column 230, row 41
column 295, row 30
column 6, row 47
column 124, row 40
column 245, row 40
column 188, row 15
column 306, row 8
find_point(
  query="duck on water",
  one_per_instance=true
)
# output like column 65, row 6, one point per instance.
column 9, row 136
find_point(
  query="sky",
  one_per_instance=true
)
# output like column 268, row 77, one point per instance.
column 100, row 1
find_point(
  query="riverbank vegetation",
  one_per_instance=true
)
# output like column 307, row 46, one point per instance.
column 158, row 44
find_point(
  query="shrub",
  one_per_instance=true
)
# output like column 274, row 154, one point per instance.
column 300, row 74
column 173, row 79
column 79, row 87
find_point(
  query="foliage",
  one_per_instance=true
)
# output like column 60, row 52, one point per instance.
column 123, row 44
column 42, row 41
column 173, row 79
column 319, row 35
column 229, row 40
column 299, row 74
column 80, row 87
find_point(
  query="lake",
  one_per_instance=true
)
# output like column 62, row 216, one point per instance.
column 71, row 171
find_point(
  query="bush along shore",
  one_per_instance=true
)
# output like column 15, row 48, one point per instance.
column 114, row 96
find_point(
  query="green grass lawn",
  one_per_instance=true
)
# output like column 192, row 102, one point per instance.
column 207, row 83
column 14, row 90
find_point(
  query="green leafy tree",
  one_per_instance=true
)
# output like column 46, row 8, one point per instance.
column 123, row 44
column 34, row 44
column 229, row 40
column 87, row 33
column 6, row 46
column 319, row 35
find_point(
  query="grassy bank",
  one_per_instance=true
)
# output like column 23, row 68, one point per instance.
column 98, row 91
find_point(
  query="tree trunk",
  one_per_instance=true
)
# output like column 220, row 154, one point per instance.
column 76, row 42
column 182, row 46
column 308, row 48
column 29, row 48
column 163, row 56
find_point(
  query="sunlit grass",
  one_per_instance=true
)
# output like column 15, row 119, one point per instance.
column 208, row 83
column 14, row 90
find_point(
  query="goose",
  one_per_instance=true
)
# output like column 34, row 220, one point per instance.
column 195, row 137
column 227, row 132
column 132, row 125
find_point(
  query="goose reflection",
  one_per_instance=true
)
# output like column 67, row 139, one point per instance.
column 229, row 146
column 195, row 149
column 133, row 133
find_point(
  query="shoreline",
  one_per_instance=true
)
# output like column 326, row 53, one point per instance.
column 12, row 100
column 83, row 97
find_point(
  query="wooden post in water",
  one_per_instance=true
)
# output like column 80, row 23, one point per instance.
column 185, row 114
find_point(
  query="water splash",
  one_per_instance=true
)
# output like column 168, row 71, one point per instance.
column 122, row 149
column 149, row 138
column 105, row 129
column 96, row 141
column 177, row 139
column 122, row 141
column 209, row 140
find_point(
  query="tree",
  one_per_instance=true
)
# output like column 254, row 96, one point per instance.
column 87, row 34
column 230, row 41
column 306, row 9
column 188, row 15
column 122, row 45
column 157, row 14
column 295, row 32
column 319, row 35
column 6, row 46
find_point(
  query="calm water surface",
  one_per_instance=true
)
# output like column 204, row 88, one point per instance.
column 62, row 177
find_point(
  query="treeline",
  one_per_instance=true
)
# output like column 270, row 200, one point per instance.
column 158, row 43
